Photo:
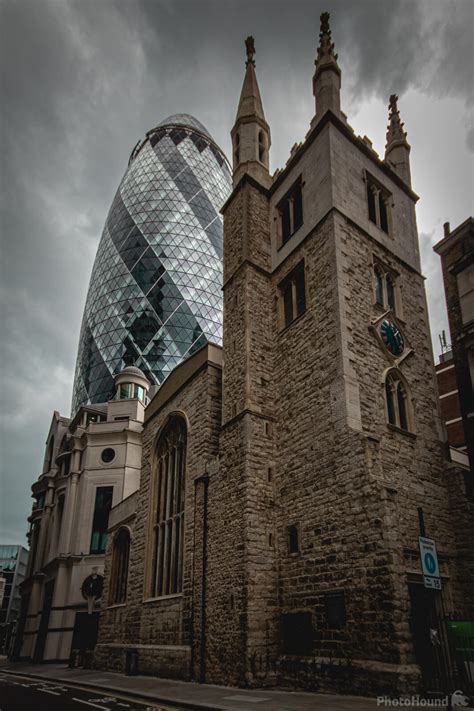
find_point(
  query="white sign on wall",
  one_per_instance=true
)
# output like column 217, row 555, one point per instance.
column 429, row 563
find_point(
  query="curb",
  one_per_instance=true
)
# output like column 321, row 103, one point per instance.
column 119, row 691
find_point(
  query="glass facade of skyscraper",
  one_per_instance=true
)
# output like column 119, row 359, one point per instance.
column 155, row 291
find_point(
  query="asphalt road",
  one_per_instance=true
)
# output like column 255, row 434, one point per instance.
column 24, row 694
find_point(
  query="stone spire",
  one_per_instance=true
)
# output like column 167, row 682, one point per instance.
column 397, row 148
column 327, row 76
column 251, row 133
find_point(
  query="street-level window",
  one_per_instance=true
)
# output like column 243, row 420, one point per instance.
column 103, row 504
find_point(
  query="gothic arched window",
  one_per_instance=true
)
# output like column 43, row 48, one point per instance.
column 386, row 289
column 397, row 397
column 170, row 460
column 119, row 572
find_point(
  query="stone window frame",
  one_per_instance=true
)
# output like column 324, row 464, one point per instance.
column 396, row 393
column 293, row 528
column 295, row 220
column 120, row 566
column 382, row 197
column 166, row 550
column 291, row 285
column 386, row 274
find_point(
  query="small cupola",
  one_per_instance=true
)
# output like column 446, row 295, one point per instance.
column 132, row 383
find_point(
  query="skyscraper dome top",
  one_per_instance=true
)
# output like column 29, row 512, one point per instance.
column 185, row 120
column 155, row 295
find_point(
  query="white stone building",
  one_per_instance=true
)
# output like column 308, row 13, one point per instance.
column 92, row 463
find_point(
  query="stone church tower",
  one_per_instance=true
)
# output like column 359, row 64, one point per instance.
column 331, row 448
column 306, row 457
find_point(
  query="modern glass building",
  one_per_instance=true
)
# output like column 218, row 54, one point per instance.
column 155, row 291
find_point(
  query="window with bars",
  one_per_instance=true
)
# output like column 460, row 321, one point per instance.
column 119, row 572
column 167, row 563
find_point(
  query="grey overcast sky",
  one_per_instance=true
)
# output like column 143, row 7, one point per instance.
column 81, row 82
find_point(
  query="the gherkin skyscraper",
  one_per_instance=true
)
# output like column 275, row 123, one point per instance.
column 155, row 291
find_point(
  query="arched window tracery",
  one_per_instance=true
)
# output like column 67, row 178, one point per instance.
column 119, row 572
column 168, row 513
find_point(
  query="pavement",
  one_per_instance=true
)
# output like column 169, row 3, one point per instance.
column 187, row 695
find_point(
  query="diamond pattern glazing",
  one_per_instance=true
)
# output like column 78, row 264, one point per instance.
column 155, row 291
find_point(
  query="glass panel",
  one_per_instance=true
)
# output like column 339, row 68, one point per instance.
column 140, row 392
column 125, row 391
column 103, row 504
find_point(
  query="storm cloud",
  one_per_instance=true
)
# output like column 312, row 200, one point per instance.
column 83, row 80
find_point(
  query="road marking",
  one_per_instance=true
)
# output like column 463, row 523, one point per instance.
column 81, row 701
column 248, row 699
column 47, row 691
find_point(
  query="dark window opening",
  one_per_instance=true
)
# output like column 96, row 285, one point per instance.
column 297, row 633
column 335, row 605
column 293, row 542
column 119, row 574
column 371, row 204
column 288, row 303
column 103, row 504
column 237, row 148
column 399, row 408
column 390, row 403
column 402, row 407
column 261, row 146
column 293, row 293
column 291, row 211
column 383, row 213
column 286, row 221
column 378, row 199
column 378, row 286
column 390, row 293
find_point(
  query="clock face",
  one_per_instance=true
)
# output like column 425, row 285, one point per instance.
column 92, row 586
column 392, row 337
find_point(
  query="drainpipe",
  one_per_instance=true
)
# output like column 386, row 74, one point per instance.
column 204, row 479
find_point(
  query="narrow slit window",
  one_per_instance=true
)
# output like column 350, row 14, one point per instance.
column 293, row 539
